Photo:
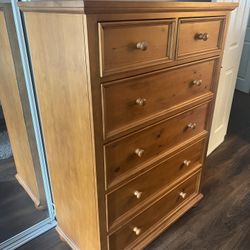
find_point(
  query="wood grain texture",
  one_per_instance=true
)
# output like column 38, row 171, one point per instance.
column 222, row 218
column 155, row 141
column 177, row 89
column 104, row 6
column 132, row 71
column 152, row 182
column 125, row 237
column 135, row 149
column 62, row 89
column 14, row 116
column 119, row 41
column 189, row 44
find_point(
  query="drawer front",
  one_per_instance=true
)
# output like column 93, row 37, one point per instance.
column 125, row 155
column 160, row 210
column 148, row 184
column 132, row 44
column 200, row 35
column 141, row 97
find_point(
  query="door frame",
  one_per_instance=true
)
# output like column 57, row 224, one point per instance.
column 216, row 140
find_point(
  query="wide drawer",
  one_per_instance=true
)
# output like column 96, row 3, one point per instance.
column 148, row 184
column 151, row 95
column 133, row 44
column 137, row 149
column 200, row 35
column 136, row 228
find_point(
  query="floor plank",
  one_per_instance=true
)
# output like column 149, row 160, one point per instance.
column 222, row 219
column 47, row 241
column 17, row 210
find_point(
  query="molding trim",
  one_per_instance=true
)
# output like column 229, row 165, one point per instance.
column 94, row 7
column 28, row 191
column 65, row 238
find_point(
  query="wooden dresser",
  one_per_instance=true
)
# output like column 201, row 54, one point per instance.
column 125, row 92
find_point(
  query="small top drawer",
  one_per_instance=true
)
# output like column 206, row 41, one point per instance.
column 199, row 35
column 134, row 44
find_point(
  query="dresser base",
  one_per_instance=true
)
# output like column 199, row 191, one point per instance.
column 65, row 238
column 153, row 234
column 29, row 192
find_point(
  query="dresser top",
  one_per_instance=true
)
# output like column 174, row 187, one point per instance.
column 114, row 6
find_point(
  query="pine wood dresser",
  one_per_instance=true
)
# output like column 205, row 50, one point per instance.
column 125, row 92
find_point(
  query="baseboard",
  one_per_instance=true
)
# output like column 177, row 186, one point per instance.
column 29, row 192
column 65, row 238
column 214, row 146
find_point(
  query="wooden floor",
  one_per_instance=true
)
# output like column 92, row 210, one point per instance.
column 222, row 219
column 17, row 210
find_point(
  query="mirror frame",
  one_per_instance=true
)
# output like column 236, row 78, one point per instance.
column 50, row 222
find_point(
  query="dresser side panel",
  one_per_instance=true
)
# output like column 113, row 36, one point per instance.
column 56, row 42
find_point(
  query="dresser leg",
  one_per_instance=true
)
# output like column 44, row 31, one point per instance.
column 198, row 202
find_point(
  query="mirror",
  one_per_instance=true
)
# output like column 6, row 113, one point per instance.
column 22, row 194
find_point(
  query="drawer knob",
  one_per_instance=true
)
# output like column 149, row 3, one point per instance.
column 197, row 82
column 137, row 230
column 139, row 152
column 142, row 45
column 137, row 194
column 187, row 163
column 183, row 195
column 191, row 125
column 140, row 101
column 202, row 36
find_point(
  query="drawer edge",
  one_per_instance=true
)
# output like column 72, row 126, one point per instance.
column 153, row 199
column 158, row 117
column 123, row 179
column 161, row 226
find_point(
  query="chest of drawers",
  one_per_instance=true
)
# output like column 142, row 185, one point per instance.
column 125, row 91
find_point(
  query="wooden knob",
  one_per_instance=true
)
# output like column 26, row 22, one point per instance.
column 137, row 230
column 187, row 163
column 205, row 37
column 202, row 36
column 183, row 195
column 137, row 194
column 197, row 82
column 140, row 101
column 139, row 152
column 142, row 45
column 191, row 125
